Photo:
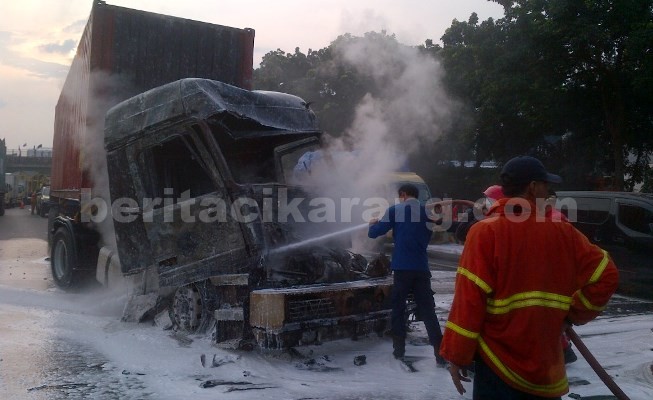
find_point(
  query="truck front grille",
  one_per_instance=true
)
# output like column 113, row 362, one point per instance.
column 302, row 310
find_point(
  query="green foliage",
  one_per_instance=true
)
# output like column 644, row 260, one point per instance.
column 647, row 184
column 568, row 81
column 593, row 65
column 333, row 87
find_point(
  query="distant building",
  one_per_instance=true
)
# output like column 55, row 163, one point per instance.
column 471, row 164
column 38, row 152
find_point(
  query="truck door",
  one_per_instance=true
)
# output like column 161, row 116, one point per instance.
column 186, row 209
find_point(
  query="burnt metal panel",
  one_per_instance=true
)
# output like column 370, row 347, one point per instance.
column 202, row 99
column 135, row 253
column 232, row 262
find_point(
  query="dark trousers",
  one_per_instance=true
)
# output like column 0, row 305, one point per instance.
column 419, row 284
column 488, row 386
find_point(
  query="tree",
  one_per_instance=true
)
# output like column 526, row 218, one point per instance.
column 600, row 53
column 569, row 81
column 333, row 86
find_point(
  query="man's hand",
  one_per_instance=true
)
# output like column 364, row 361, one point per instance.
column 458, row 376
column 374, row 221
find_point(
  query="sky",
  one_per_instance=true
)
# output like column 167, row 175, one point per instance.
column 38, row 39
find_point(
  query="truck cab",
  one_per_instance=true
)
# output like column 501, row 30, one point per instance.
column 172, row 186
column 197, row 174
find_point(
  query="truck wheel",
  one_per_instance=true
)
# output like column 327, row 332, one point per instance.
column 193, row 306
column 63, row 259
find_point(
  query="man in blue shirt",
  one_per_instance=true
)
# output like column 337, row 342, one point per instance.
column 410, row 230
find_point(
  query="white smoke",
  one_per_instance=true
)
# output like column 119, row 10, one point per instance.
column 105, row 91
column 408, row 110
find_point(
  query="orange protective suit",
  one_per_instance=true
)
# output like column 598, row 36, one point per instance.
column 520, row 276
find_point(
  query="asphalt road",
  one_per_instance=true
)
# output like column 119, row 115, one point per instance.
column 56, row 345
column 23, row 250
column 36, row 362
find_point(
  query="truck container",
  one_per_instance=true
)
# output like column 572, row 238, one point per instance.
column 197, row 171
column 123, row 52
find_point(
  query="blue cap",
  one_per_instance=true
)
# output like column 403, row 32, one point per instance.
column 525, row 169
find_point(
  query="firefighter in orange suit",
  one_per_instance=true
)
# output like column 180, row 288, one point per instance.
column 522, row 277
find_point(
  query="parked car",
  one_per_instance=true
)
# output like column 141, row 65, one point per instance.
column 622, row 224
column 43, row 201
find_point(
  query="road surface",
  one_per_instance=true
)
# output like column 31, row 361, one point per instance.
column 56, row 345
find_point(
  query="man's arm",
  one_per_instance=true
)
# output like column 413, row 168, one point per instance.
column 381, row 227
column 598, row 280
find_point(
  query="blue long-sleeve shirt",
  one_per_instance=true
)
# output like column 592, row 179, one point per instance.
column 411, row 234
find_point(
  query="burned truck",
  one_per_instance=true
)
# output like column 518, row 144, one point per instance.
column 197, row 173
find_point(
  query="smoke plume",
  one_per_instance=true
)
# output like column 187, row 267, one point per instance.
column 407, row 110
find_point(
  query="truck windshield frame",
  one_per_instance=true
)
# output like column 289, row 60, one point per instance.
column 181, row 163
column 255, row 158
column 287, row 156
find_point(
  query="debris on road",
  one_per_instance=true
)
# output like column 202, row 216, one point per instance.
column 360, row 360
column 163, row 321
column 140, row 307
column 316, row 366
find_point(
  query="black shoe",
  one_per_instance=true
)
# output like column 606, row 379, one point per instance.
column 570, row 356
column 399, row 346
column 440, row 362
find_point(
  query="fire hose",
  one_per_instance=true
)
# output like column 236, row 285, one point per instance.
column 600, row 371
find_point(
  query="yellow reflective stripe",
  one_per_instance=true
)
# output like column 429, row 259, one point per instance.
column 528, row 299
column 527, row 303
column 478, row 281
column 530, row 295
column 599, row 270
column 587, row 303
column 553, row 388
column 461, row 331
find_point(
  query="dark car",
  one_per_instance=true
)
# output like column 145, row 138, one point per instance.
column 622, row 224
column 43, row 201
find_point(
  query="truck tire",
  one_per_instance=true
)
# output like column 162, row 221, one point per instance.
column 63, row 259
column 193, row 306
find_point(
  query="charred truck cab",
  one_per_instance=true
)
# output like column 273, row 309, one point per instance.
column 196, row 175
column 176, row 187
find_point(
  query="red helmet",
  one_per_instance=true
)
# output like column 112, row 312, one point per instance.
column 494, row 192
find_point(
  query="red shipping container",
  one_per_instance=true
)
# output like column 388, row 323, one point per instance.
column 124, row 52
